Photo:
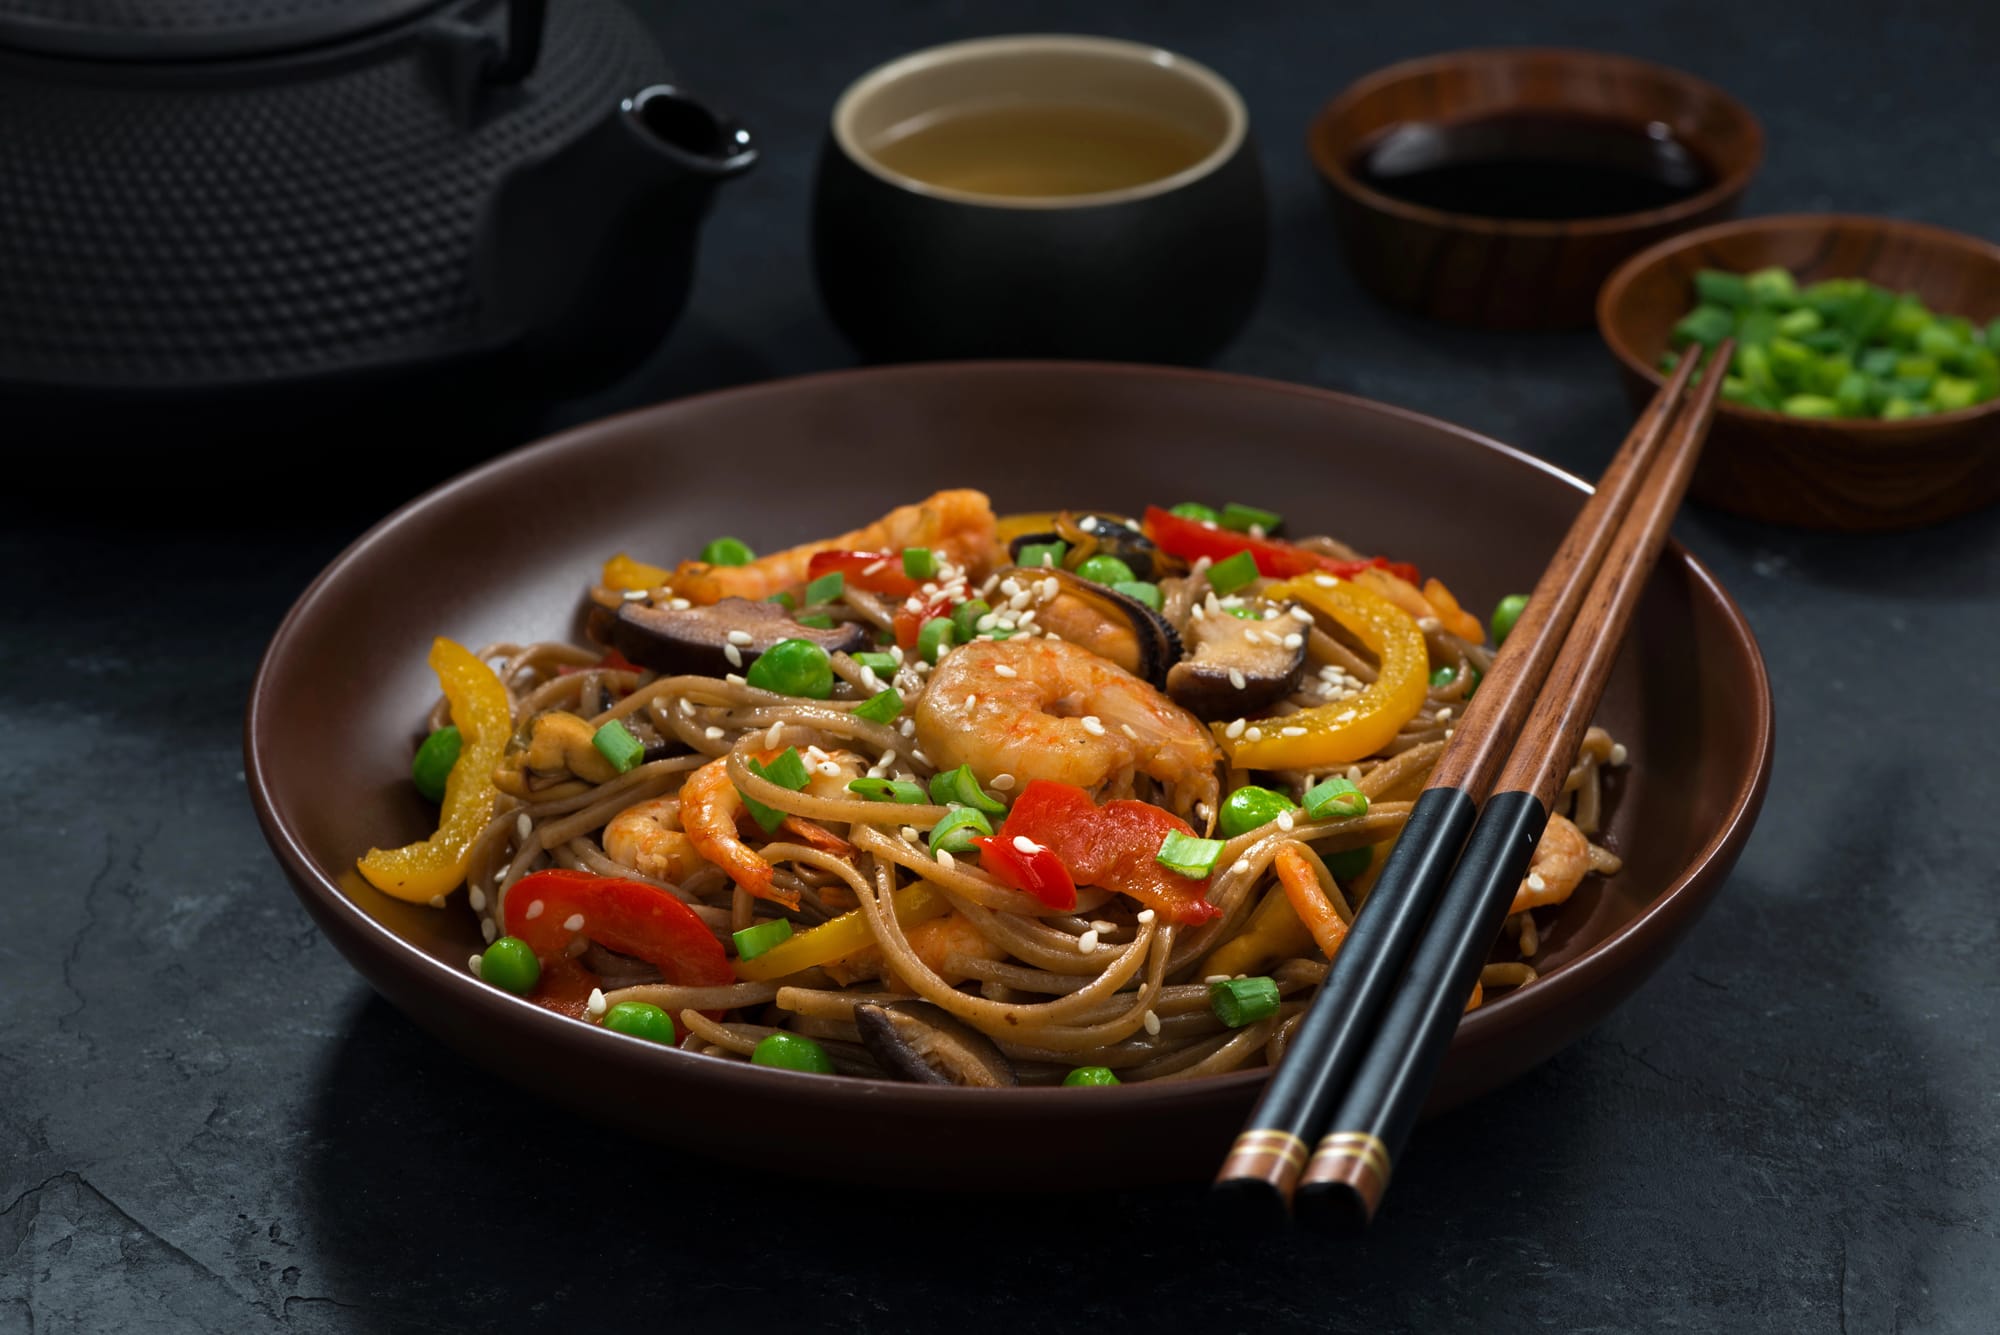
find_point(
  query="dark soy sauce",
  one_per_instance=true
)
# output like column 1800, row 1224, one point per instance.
column 1535, row 164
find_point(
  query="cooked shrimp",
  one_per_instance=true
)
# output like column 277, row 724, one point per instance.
column 935, row 941
column 710, row 806
column 957, row 525
column 1562, row 859
column 1049, row 709
column 648, row 838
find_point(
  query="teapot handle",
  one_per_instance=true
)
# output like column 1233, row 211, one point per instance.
column 470, row 62
column 524, row 42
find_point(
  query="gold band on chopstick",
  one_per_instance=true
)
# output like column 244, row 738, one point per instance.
column 1342, row 1153
column 1270, row 1155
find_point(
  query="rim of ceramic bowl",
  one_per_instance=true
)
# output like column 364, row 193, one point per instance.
column 1334, row 166
column 1611, row 298
column 1679, row 900
column 1235, row 114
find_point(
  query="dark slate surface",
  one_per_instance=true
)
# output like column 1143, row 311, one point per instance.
column 210, row 1124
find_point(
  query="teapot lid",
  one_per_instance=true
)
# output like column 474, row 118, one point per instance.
column 174, row 30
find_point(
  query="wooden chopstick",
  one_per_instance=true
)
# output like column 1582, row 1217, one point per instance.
column 1349, row 1170
column 1264, row 1164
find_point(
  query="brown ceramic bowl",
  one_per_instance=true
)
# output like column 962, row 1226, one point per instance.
column 339, row 696
column 1503, row 273
column 1814, row 472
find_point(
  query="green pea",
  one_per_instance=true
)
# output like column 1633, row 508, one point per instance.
column 433, row 762
column 728, row 552
column 1251, row 808
column 1091, row 1075
column 793, row 667
column 792, row 1053
column 1505, row 613
column 1106, row 569
column 510, row 964
column 640, row 1019
column 1206, row 514
column 1442, row 676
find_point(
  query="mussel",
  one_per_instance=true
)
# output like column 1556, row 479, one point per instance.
column 1095, row 534
column 1110, row 624
column 674, row 640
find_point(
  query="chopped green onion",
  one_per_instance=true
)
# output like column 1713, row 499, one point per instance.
column 1772, row 287
column 816, row 620
column 826, row 588
column 954, row 833
column 965, row 619
column 937, row 635
column 1335, row 797
column 879, row 664
column 887, row 790
column 787, row 771
column 1251, row 808
column 883, row 707
column 1240, row 1001
column 1197, row 511
column 1505, row 613
column 616, row 744
column 1038, row 555
column 919, row 562
column 640, row 1019
column 754, row 941
column 1105, row 569
column 793, row 667
column 728, row 552
column 1349, row 864
column 1242, row 518
column 1140, row 591
column 1227, row 576
column 1720, row 288
column 784, row 600
column 961, row 786
column 791, row 1052
column 1188, row 855
column 431, row 766
column 510, row 964
column 1091, row 1075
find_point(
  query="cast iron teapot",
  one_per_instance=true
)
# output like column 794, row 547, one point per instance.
column 289, row 202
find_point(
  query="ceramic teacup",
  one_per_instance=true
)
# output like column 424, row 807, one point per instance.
column 917, row 266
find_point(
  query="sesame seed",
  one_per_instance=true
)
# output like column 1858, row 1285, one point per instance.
column 523, row 827
column 1354, row 773
column 1293, row 731
column 1019, row 602
column 1002, row 670
column 1295, row 641
column 713, row 734
column 909, row 832
column 595, row 1005
column 1010, row 586
column 907, row 727
column 913, row 603
column 437, row 901
column 1024, row 844
column 1234, row 730
column 1051, row 587
column 987, row 622
column 734, row 679
column 1253, row 734
column 1092, row 725
column 971, row 700
column 1087, row 942
column 1026, row 618
column 772, row 735
column 1427, row 624
column 535, row 910
column 1001, row 782
column 1300, row 615
column 1345, row 716
column 1325, row 581
column 687, row 705
column 488, row 930
column 1447, row 734
column 1198, row 613
column 870, row 682
column 1285, row 820
column 1536, row 883
column 477, row 965
column 1237, row 679
column 573, row 923
column 741, row 637
column 945, row 859
column 829, row 769
column 1619, row 755
column 1097, row 926
column 1444, row 715
column 476, row 897
column 888, row 759
column 1127, row 729
column 1216, row 978
column 874, row 567
column 1088, row 524
column 896, row 652
column 679, row 604
column 920, row 757
column 733, row 654
column 1152, row 1023
column 1239, row 867
column 1146, row 916
column 1048, row 560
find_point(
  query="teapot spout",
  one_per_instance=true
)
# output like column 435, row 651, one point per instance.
column 587, row 253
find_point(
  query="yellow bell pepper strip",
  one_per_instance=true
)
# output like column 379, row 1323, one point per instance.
column 622, row 572
column 838, row 937
column 1343, row 731
column 422, row 871
column 1274, row 933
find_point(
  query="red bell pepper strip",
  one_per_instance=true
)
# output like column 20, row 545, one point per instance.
column 1191, row 539
column 629, row 917
column 1112, row 846
column 1039, row 872
column 909, row 625
column 611, row 662
column 872, row 572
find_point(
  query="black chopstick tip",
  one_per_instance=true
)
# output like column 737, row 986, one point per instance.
column 1339, row 1209
column 1251, row 1205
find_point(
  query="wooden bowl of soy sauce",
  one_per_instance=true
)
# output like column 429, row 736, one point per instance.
column 1499, row 188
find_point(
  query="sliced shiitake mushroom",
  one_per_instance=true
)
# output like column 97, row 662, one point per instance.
column 1236, row 665
column 926, row 1043
column 674, row 640
column 1096, row 534
column 1108, row 623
